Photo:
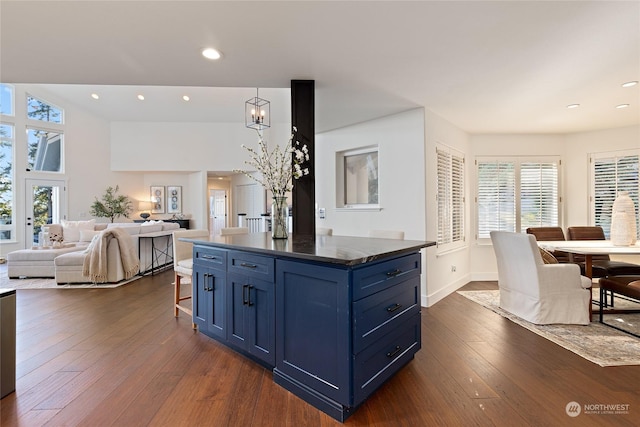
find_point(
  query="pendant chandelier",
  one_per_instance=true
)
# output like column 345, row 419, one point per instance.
column 257, row 113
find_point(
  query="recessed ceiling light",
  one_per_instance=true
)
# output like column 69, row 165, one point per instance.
column 622, row 106
column 573, row 105
column 141, row 97
column 629, row 84
column 211, row 53
column 186, row 98
column 95, row 96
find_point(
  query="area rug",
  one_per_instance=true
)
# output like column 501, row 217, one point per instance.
column 595, row 342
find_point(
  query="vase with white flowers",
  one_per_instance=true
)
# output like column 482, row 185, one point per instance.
column 277, row 170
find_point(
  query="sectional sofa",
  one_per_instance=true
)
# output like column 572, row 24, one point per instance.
column 152, row 242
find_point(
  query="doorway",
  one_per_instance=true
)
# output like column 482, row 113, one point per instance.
column 45, row 204
column 217, row 211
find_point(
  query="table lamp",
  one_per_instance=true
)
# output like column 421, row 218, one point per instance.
column 144, row 208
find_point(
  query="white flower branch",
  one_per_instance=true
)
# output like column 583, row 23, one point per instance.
column 279, row 167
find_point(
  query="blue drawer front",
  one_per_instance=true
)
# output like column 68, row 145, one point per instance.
column 210, row 257
column 367, row 281
column 260, row 267
column 380, row 361
column 378, row 314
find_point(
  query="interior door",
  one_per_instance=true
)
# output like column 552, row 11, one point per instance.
column 45, row 201
column 218, row 210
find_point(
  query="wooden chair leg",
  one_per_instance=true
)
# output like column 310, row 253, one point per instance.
column 176, row 294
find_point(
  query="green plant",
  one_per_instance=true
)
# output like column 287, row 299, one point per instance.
column 112, row 205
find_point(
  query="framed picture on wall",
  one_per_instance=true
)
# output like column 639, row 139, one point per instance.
column 174, row 199
column 157, row 199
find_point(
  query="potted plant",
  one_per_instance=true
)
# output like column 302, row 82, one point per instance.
column 112, row 205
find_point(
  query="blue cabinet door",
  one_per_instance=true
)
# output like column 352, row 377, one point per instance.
column 208, row 293
column 251, row 316
column 313, row 332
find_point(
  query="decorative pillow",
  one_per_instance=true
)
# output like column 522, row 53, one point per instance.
column 87, row 235
column 71, row 229
column 547, row 257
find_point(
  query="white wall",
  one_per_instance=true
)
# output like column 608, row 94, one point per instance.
column 400, row 139
column 187, row 147
column 441, row 280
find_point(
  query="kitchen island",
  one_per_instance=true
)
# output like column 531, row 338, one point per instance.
column 334, row 317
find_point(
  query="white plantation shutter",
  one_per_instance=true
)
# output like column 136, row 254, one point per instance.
column 450, row 197
column 612, row 173
column 538, row 195
column 516, row 193
column 496, row 197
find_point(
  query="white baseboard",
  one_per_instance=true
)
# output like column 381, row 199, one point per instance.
column 483, row 277
column 431, row 299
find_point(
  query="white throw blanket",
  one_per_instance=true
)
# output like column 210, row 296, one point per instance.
column 95, row 261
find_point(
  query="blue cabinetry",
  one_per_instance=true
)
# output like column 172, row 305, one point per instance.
column 332, row 329
column 334, row 350
column 250, row 306
column 209, row 290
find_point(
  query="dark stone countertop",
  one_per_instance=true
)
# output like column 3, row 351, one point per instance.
column 344, row 250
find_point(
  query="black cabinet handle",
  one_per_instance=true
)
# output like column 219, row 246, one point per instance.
column 244, row 294
column 394, row 273
column 247, row 265
column 393, row 307
column 395, row 351
column 205, row 256
column 205, row 285
column 249, row 303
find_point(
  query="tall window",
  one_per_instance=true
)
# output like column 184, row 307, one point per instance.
column 7, row 227
column 612, row 173
column 7, row 100
column 516, row 193
column 44, row 146
column 450, row 198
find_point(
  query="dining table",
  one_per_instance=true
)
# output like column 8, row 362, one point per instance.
column 589, row 248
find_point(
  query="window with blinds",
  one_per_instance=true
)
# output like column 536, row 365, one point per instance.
column 450, row 198
column 612, row 173
column 516, row 193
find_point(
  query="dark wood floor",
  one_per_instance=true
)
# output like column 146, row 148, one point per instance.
column 118, row 357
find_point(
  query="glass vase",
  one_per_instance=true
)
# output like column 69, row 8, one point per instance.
column 279, row 217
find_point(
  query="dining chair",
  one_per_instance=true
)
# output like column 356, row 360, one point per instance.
column 228, row 231
column 550, row 234
column 183, row 266
column 387, row 234
column 603, row 266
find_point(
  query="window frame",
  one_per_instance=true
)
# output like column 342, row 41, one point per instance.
column 517, row 161
column 445, row 189
column 341, row 196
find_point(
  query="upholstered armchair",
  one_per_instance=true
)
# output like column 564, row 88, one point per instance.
column 537, row 292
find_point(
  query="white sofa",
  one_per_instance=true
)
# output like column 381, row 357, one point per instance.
column 65, row 264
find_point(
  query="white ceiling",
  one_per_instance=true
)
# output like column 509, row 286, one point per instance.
column 487, row 67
